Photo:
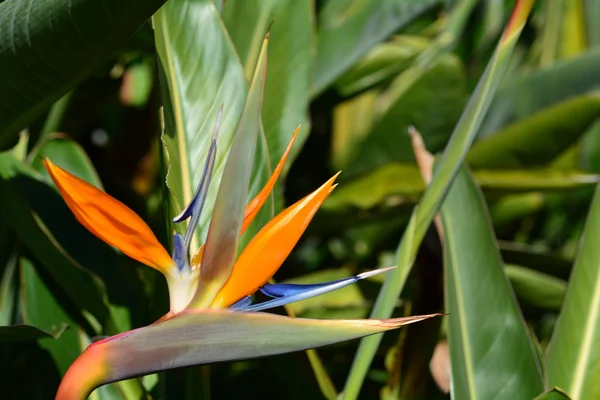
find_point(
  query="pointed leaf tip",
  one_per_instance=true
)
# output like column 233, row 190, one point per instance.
column 265, row 253
column 257, row 202
column 109, row 219
column 517, row 19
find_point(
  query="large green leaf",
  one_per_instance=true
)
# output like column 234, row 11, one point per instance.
column 521, row 97
column 349, row 28
column 198, row 76
column 42, row 309
column 446, row 169
column 287, row 90
column 50, row 46
column 538, row 139
column 77, row 283
column 573, row 358
column 490, row 347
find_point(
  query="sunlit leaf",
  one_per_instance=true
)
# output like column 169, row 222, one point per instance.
column 490, row 352
column 573, row 354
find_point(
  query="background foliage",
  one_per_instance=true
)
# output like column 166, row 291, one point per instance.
column 84, row 86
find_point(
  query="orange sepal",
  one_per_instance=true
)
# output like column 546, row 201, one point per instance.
column 270, row 247
column 109, row 219
column 257, row 202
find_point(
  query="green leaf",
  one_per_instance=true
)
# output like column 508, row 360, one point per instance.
column 572, row 361
column 383, row 62
column 68, row 155
column 222, row 240
column 490, row 352
column 77, row 283
column 535, row 288
column 287, row 89
column 530, row 93
column 22, row 333
column 208, row 336
column 536, row 259
column 51, row 46
column 554, row 394
column 538, row 139
column 42, row 309
column 446, row 169
column 198, row 76
column 395, row 183
column 349, row 28
column 432, row 104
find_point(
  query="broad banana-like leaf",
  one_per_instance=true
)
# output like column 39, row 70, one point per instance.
column 49, row 46
column 287, row 89
column 198, row 76
column 449, row 163
column 573, row 357
column 206, row 336
column 490, row 353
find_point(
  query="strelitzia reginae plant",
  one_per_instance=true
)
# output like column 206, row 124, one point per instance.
column 211, row 317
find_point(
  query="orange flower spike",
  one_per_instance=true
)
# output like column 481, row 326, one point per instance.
column 257, row 202
column 255, row 205
column 263, row 256
column 110, row 220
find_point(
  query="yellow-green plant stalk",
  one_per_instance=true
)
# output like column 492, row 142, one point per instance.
column 446, row 169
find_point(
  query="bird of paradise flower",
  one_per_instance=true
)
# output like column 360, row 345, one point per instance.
column 212, row 316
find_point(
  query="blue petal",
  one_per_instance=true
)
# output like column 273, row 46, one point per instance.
column 180, row 256
column 194, row 209
column 289, row 293
column 242, row 303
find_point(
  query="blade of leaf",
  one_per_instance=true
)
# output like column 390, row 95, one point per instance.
column 22, row 333
column 527, row 94
column 197, row 76
column 208, row 336
column 554, row 394
column 446, row 169
column 490, row 353
column 287, row 88
column 42, row 309
column 539, row 139
column 349, row 28
column 223, row 234
column 51, row 46
column 77, row 283
column 573, row 353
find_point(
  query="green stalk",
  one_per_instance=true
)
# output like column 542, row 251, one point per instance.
column 446, row 170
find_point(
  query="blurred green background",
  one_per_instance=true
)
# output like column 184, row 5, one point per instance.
column 356, row 74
